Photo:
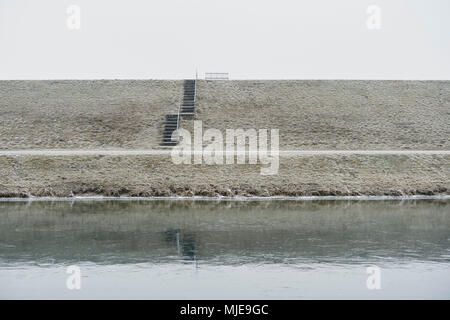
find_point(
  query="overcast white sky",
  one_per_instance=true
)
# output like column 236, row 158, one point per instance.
column 250, row 39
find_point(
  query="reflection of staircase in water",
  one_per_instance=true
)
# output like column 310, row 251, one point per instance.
column 186, row 110
column 186, row 243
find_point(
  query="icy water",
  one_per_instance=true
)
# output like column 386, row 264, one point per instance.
column 209, row 250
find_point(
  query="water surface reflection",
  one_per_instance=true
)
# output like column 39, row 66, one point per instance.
column 163, row 236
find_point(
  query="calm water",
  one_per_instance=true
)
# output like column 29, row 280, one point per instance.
column 186, row 249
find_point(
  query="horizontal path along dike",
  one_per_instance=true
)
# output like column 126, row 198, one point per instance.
column 282, row 153
column 336, row 138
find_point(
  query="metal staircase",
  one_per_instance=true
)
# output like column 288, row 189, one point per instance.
column 189, row 95
column 185, row 110
column 171, row 124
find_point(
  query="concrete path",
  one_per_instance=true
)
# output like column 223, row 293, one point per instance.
column 157, row 152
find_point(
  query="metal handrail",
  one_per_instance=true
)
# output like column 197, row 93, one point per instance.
column 195, row 92
column 217, row 76
column 178, row 120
